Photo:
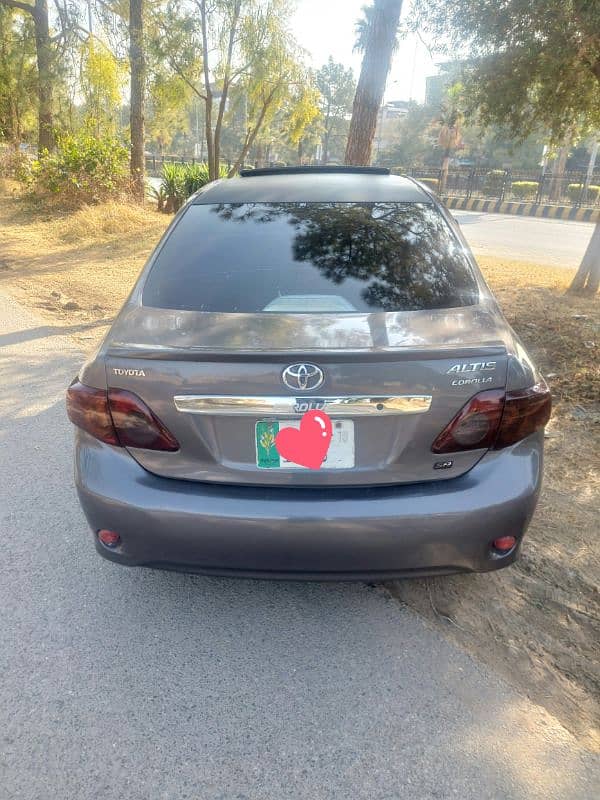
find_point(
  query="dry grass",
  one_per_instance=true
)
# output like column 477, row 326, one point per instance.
column 97, row 224
column 563, row 330
column 89, row 259
column 538, row 622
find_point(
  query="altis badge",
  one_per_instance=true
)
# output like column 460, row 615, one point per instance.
column 474, row 366
column 465, row 371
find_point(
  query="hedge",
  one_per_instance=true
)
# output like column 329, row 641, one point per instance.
column 525, row 190
column 575, row 193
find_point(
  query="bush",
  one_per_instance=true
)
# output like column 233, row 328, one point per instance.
column 14, row 164
column 86, row 168
column 575, row 193
column 172, row 187
column 493, row 181
column 524, row 190
column 180, row 181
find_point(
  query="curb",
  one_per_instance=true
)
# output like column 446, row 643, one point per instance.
column 523, row 209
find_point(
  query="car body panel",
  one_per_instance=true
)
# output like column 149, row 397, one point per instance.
column 389, row 449
column 369, row 533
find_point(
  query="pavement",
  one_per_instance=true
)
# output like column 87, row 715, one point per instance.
column 541, row 241
column 132, row 684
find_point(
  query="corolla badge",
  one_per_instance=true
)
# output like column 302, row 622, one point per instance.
column 304, row 377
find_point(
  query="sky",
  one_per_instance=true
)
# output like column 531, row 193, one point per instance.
column 326, row 27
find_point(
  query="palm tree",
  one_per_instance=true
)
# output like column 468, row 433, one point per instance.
column 377, row 41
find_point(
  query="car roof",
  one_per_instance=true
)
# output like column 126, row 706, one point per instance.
column 307, row 185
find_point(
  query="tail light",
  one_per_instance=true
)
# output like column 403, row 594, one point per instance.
column 117, row 417
column 88, row 409
column 496, row 419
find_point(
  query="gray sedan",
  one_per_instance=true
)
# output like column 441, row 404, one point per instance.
column 310, row 380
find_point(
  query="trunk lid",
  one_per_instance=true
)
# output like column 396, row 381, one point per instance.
column 394, row 379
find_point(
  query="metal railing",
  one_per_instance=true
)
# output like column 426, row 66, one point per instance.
column 528, row 186
column 521, row 186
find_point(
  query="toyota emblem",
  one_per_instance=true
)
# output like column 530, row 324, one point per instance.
column 304, row 377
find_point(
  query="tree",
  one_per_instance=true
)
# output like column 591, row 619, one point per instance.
column 17, row 75
column 534, row 64
column 377, row 40
column 45, row 58
column 137, row 65
column 336, row 85
column 301, row 117
column 101, row 84
column 229, row 52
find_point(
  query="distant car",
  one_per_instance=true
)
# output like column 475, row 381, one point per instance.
column 346, row 290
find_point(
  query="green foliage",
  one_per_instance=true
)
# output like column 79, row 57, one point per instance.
column 492, row 184
column 533, row 63
column 336, row 85
column 575, row 193
column 173, row 186
column 102, row 79
column 18, row 77
column 195, row 176
column 85, row 168
column 180, row 181
column 13, row 164
column 524, row 190
column 158, row 195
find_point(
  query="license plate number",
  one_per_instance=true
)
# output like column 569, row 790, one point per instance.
column 339, row 456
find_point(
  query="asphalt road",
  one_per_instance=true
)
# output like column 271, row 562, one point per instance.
column 140, row 685
column 542, row 241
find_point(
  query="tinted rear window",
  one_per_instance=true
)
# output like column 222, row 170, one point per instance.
column 311, row 257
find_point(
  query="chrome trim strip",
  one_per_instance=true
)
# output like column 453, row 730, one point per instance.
column 354, row 406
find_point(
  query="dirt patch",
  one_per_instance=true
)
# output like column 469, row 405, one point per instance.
column 76, row 269
column 538, row 622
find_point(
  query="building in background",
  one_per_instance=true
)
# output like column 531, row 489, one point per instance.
column 386, row 131
column 436, row 85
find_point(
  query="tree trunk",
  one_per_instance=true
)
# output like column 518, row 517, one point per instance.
column 137, row 64
column 587, row 279
column 590, row 170
column 559, row 170
column 43, row 46
column 325, row 142
column 208, row 96
column 444, row 171
column 377, row 59
column 233, row 30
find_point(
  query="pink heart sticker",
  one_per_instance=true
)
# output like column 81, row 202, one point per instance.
column 308, row 445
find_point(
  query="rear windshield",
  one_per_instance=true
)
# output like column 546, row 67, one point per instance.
column 311, row 257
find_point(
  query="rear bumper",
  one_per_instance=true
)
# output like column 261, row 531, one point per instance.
column 351, row 533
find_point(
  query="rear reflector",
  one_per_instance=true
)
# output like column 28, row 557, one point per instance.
column 109, row 538
column 117, row 417
column 495, row 419
column 504, row 544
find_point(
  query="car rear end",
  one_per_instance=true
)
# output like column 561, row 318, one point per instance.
column 257, row 307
